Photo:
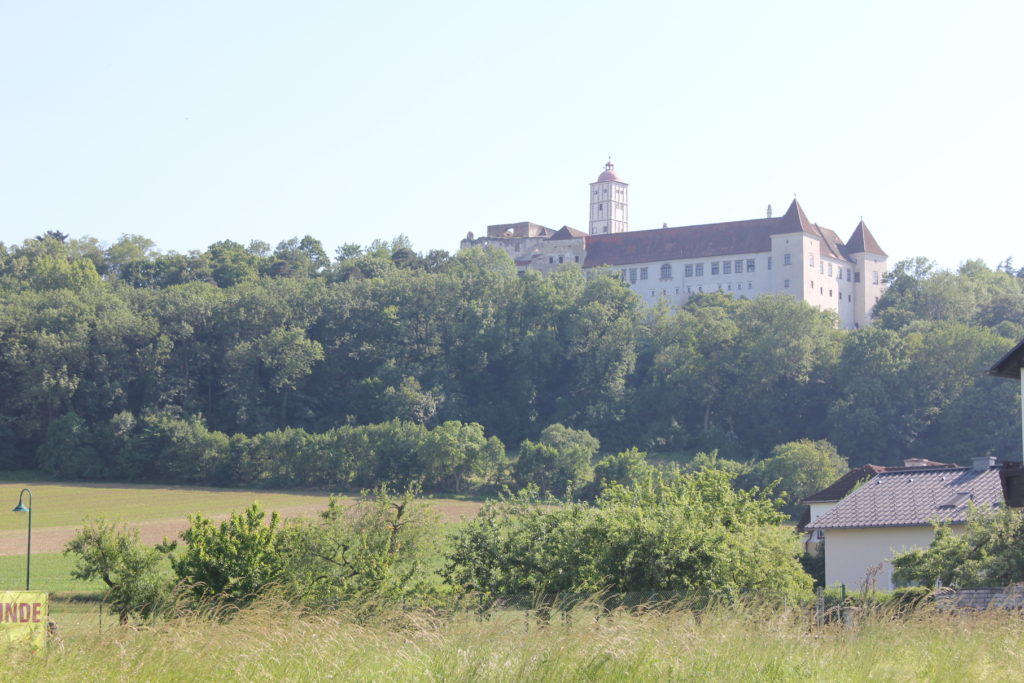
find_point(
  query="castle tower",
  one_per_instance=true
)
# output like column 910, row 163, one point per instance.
column 609, row 203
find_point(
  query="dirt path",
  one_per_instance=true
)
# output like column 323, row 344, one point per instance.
column 53, row 539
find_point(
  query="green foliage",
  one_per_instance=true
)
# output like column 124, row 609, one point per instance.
column 799, row 468
column 379, row 550
column 691, row 534
column 561, row 458
column 989, row 552
column 233, row 562
column 112, row 357
column 137, row 579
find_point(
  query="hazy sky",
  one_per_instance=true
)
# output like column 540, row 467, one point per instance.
column 193, row 122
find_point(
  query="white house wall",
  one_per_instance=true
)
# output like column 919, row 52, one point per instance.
column 851, row 554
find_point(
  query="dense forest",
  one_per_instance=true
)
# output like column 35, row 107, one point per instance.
column 282, row 366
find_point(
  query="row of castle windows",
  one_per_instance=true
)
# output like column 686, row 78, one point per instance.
column 561, row 259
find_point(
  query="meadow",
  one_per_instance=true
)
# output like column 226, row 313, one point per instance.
column 272, row 642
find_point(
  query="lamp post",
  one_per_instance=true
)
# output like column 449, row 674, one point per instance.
column 20, row 507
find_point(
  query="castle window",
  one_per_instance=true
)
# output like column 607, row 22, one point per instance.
column 738, row 265
column 551, row 259
column 687, row 270
column 714, row 268
column 785, row 283
column 730, row 286
column 677, row 290
column 698, row 270
column 666, row 271
column 830, row 294
column 821, row 268
column 849, row 298
column 561, row 259
column 810, row 259
column 847, row 274
column 622, row 273
column 750, row 285
column 787, row 259
column 577, row 257
column 874, row 277
column 750, row 265
column 856, row 276
column 769, row 263
column 643, row 273
column 700, row 288
column 830, row 270
column 632, row 275
column 727, row 267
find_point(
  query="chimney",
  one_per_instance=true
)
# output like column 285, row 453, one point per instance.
column 769, row 211
column 982, row 463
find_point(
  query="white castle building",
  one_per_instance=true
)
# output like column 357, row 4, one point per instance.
column 787, row 254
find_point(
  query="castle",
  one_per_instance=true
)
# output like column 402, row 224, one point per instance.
column 787, row 254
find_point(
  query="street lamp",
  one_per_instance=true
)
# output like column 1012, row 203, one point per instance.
column 20, row 507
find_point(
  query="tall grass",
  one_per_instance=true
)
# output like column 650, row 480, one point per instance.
column 273, row 642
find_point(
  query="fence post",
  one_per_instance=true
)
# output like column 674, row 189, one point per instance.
column 819, row 607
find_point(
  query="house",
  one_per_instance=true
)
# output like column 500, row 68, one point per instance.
column 895, row 511
column 787, row 254
column 824, row 500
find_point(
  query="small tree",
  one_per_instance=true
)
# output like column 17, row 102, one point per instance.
column 377, row 549
column 801, row 468
column 989, row 552
column 561, row 456
column 137, row 578
column 235, row 561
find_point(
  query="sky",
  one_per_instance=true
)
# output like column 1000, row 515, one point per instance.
column 193, row 122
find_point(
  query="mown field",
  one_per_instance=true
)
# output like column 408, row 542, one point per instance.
column 273, row 643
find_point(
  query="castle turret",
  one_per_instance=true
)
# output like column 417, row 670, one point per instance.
column 609, row 203
column 868, row 272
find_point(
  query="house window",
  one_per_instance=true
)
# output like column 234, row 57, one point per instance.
column 739, row 265
column 632, row 275
column 714, row 268
column 727, row 267
column 622, row 274
column 698, row 269
column 769, row 263
column 750, row 265
column 643, row 273
column 785, row 283
column 787, row 259
column 874, row 277
column 666, row 271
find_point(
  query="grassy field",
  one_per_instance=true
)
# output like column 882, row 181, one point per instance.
column 273, row 643
column 59, row 505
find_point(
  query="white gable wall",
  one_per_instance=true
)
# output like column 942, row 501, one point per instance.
column 851, row 554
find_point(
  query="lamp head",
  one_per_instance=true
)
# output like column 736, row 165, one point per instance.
column 21, row 505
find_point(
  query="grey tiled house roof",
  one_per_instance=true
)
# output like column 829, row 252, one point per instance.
column 915, row 497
